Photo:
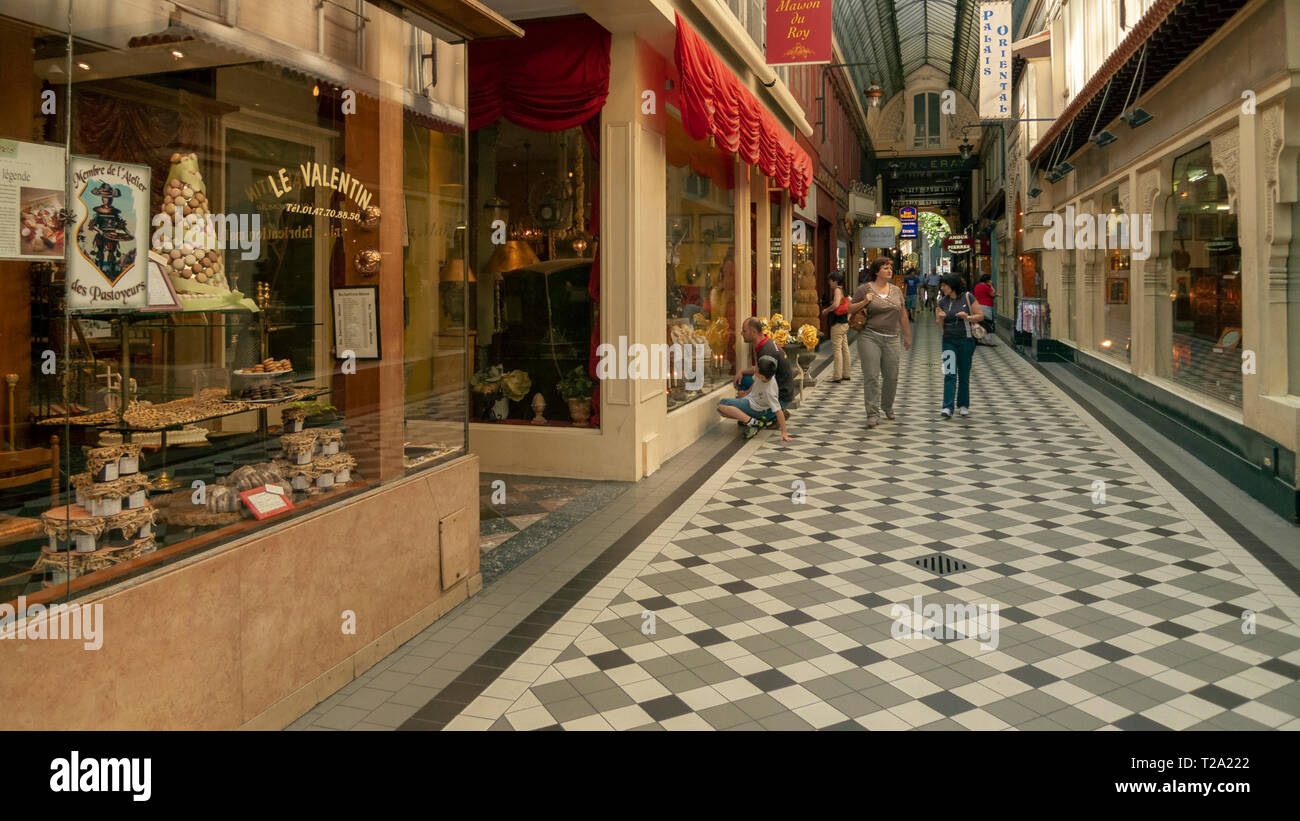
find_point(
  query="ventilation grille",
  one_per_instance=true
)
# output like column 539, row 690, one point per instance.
column 940, row 565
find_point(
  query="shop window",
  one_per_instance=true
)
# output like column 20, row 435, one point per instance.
column 926, row 123
column 1293, row 301
column 532, row 326
column 1068, row 296
column 703, row 319
column 198, row 353
column 1200, row 323
column 775, row 246
column 1112, row 237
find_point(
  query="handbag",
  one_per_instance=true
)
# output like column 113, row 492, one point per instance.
column 843, row 307
column 858, row 321
column 977, row 331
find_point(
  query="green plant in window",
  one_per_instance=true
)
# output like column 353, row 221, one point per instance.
column 576, row 384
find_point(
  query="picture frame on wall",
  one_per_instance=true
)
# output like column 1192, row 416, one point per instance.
column 1228, row 226
column 720, row 226
column 1207, row 226
column 1117, row 292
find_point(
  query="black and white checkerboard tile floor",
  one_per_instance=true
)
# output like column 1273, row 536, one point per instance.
column 771, row 613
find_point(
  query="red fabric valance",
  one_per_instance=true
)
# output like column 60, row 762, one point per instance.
column 556, row 77
column 715, row 103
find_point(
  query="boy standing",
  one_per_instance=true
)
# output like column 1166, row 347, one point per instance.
column 761, row 405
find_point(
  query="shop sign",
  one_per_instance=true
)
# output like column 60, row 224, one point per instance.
column 995, row 60
column 315, row 175
column 798, row 32
column 912, row 166
column 877, row 236
column 1220, row 245
column 110, row 219
column 907, row 216
column 956, row 245
column 31, row 196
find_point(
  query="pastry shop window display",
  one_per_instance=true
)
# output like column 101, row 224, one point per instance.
column 534, row 299
column 1203, row 311
column 219, row 199
column 701, row 268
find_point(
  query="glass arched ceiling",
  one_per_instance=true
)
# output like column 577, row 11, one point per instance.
column 899, row 36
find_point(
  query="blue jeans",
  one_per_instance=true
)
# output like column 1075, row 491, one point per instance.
column 743, row 404
column 959, row 382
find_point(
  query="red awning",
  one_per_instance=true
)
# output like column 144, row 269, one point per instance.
column 714, row 102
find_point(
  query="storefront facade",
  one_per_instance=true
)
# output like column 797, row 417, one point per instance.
column 679, row 229
column 236, row 423
column 1176, row 281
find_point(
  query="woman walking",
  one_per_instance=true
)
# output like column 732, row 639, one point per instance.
column 878, row 341
column 984, row 295
column 955, row 313
column 839, row 321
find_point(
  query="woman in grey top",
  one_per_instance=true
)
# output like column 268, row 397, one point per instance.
column 878, row 341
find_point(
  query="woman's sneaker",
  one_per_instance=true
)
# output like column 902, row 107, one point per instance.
column 964, row 411
column 946, row 413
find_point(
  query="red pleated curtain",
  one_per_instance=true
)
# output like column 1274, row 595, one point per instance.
column 555, row 78
column 715, row 103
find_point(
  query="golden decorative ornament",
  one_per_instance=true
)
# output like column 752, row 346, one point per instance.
column 370, row 217
column 367, row 262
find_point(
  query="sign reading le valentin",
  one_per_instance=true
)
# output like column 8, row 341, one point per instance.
column 798, row 31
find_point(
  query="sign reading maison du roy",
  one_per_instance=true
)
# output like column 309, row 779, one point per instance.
column 995, row 60
column 798, row 31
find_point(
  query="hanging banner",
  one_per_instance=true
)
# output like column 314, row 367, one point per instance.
column 798, row 32
column 907, row 216
column 995, row 60
column 110, row 218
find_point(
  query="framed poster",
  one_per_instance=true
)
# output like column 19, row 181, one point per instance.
column 356, row 322
column 32, row 193
column 266, row 501
column 717, row 227
column 1117, row 291
column 1207, row 226
column 110, row 224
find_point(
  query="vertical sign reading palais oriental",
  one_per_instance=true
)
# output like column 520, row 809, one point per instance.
column 798, row 31
column 995, row 61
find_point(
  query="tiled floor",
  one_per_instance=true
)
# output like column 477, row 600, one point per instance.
column 746, row 605
column 509, row 504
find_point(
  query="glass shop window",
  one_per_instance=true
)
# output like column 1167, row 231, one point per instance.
column 195, row 351
column 703, row 318
column 532, row 314
column 1202, row 316
column 1114, row 231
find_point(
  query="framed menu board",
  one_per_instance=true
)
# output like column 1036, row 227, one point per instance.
column 356, row 322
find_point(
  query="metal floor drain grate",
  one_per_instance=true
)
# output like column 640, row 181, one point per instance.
column 940, row 565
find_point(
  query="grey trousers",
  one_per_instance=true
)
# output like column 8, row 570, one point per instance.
column 879, row 357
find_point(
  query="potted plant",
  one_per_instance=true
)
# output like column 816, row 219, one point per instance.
column 499, row 388
column 576, row 388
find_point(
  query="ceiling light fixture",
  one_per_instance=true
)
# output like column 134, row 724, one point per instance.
column 179, row 55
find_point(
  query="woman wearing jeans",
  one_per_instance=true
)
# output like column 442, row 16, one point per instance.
column 878, row 340
column 839, row 328
column 956, row 311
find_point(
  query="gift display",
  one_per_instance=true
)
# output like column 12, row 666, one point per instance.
column 110, row 522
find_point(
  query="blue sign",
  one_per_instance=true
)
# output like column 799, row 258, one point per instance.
column 907, row 216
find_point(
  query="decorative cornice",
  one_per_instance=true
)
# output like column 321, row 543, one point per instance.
column 1226, row 150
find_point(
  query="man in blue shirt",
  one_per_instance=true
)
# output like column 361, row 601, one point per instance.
column 932, row 289
column 913, row 285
